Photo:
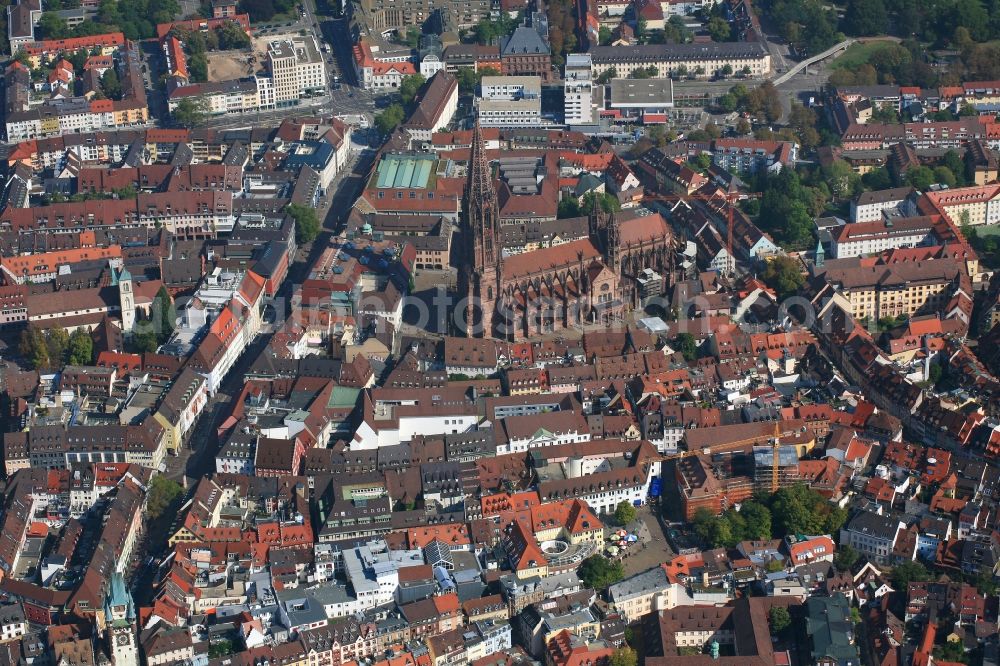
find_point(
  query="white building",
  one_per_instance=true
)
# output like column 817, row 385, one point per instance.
column 517, row 434
column 866, row 238
column 297, row 69
column 578, row 90
column 872, row 535
column 373, row 571
column 974, row 205
column 870, row 206
column 510, row 101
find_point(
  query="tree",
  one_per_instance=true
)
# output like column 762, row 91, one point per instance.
column 604, row 35
column 956, row 165
column 799, row 509
column 598, row 572
column 756, row 521
column 259, row 10
column 33, row 347
column 846, row 557
column 920, row 177
column 841, row 178
column 686, row 345
column 165, row 313
column 110, row 84
column 219, row 649
column 57, row 340
column 719, row 29
column 950, row 651
column 908, row 572
column 144, row 341
column 803, row 121
column 640, row 30
column 231, row 36
column 606, row 76
column 743, row 128
column 728, row 102
column 865, row 17
column 81, row 348
column 306, row 223
column 390, row 118
column 944, row 176
column 877, row 179
column 79, row 60
column 624, row 513
column 163, row 494
column 568, row 207
column 410, row 86
column 787, row 209
column 727, row 70
column 779, row 619
column 784, row 275
column 624, row 656
column 189, row 112
column 52, row 26
column 198, row 67
column 608, row 203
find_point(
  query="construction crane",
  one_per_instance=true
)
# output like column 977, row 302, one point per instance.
column 731, row 197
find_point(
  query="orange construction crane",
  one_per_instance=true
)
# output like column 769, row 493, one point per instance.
column 731, row 197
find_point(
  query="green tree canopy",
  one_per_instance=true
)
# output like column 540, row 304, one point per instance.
column 908, row 572
column 390, row 118
column 598, row 572
column 920, row 177
column 189, row 112
column 110, row 84
column 686, row 344
column 625, row 513
column 719, row 29
column 568, row 207
column 865, row 17
column 163, row 494
column 307, row 225
column 784, row 275
column 409, row 88
column 846, row 557
column 779, row 619
column 624, row 656
column 800, row 510
column 81, row 348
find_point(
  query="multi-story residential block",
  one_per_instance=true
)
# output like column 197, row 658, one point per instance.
column 896, row 289
column 704, row 61
column 867, row 238
column 383, row 15
column 973, row 206
column 752, row 156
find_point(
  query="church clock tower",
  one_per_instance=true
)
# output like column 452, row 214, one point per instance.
column 119, row 619
column 127, row 300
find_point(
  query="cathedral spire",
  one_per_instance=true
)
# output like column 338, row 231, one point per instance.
column 613, row 248
column 484, row 215
column 485, row 267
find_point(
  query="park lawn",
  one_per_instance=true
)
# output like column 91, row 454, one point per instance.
column 857, row 54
